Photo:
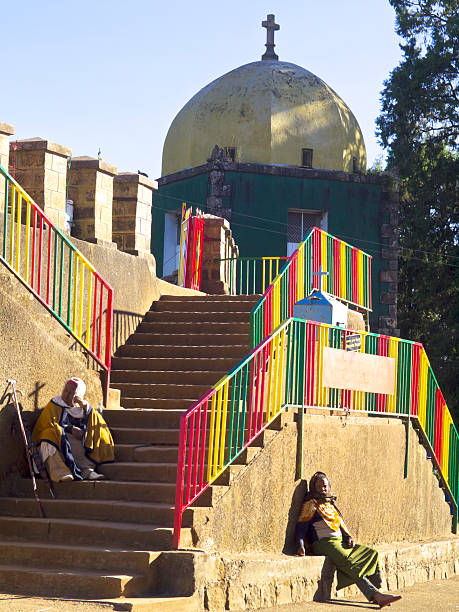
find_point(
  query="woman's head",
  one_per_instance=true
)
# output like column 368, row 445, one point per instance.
column 319, row 486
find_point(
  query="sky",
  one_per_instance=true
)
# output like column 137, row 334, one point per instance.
column 112, row 75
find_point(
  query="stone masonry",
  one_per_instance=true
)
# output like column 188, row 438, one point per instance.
column 218, row 245
column 389, row 238
column 132, row 202
column 41, row 169
column 91, row 189
column 6, row 131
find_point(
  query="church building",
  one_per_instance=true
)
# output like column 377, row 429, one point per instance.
column 273, row 149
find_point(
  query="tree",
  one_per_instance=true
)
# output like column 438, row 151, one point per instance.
column 419, row 127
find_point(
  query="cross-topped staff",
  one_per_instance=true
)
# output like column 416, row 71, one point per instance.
column 271, row 26
column 320, row 273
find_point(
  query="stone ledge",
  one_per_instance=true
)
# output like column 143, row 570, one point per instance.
column 133, row 177
column 38, row 144
column 278, row 170
column 85, row 161
column 242, row 582
column 6, row 128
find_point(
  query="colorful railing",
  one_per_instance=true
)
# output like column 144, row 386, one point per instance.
column 251, row 275
column 323, row 262
column 191, row 247
column 286, row 370
column 56, row 272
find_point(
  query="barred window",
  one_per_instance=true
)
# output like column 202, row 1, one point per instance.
column 300, row 222
column 306, row 158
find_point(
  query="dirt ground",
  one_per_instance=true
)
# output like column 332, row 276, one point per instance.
column 434, row 596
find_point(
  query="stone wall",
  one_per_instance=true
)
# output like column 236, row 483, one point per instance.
column 249, row 582
column 365, row 464
column 41, row 170
column 132, row 201
column 219, row 245
column 6, row 131
column 91, row 190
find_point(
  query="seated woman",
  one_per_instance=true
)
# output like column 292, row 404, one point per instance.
column 73, row 439
column 321, row 529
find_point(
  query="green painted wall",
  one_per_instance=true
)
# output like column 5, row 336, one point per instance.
column 170, row 198
column 260, row 203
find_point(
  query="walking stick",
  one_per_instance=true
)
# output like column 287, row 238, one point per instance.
column 28, row 449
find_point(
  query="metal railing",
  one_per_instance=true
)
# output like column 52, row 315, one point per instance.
column 286, row 370
column 323, row 262
column 56, row 273
column 251, row 275
column 191, row 248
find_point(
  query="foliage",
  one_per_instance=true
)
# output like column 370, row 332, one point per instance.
column 419, row 126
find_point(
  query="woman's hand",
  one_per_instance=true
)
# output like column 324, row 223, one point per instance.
column 77, row 433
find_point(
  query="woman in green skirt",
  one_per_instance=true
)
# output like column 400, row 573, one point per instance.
column 321, row 528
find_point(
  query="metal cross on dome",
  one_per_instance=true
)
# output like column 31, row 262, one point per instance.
column 271, row 26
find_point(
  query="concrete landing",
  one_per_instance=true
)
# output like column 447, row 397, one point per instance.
column 436, row 595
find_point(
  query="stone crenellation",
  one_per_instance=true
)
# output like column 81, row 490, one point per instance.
column 84, row 197
column 132, row 202
column 6, row 131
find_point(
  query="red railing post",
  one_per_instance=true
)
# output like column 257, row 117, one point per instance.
column 180, row 481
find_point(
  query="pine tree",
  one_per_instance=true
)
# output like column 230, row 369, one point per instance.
column 419, row 127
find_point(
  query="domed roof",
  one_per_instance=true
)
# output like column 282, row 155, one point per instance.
column 269, row 111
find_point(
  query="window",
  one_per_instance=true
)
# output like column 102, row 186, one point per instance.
column 354, row 165
column 306, row 158
column 298, row 224
column 230, row 153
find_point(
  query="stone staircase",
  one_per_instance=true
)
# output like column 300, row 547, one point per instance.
column 104, row 539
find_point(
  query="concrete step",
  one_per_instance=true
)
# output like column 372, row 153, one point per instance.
column 228, row 351
column 136, row 435
column 227, row 306
column 210, row 298
column 184, row 338
column 169, row 377
column 160, row 390
column 106, row 510
column 166, row 327
column 157, row 404
column 160, row 492
column 180, row 317
column 56, row 556
column 147, row 453
column 80, row 532
column 161, row 364
column 147, row 419
column 67, row 583
column 140, row 472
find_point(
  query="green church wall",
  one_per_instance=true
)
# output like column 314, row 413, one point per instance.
column 169, row 199
column 259, row 204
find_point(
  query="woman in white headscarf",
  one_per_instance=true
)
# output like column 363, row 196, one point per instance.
column 73, row 439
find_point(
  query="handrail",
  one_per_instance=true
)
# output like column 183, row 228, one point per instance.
column 320, row 261
column 191, row 248
column 56, row 273
column 286, row 370
column 251, row 275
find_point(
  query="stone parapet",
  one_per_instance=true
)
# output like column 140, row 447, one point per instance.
column 40, row 167
column 6, row 131
column 219, row 244
column 247, row 582
column 91, row 190
column 132, row 202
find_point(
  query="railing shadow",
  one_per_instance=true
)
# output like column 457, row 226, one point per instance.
column 125, row 324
